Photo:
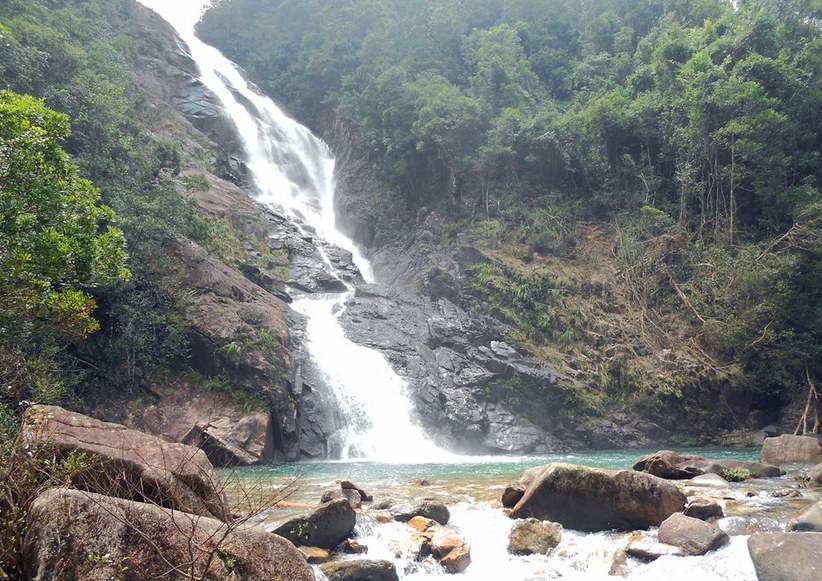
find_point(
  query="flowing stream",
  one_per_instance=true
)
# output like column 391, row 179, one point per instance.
column 294, row 170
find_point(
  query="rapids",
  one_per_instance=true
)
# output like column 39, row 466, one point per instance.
column 472, row 491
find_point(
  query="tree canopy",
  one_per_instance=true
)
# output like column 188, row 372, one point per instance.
column 696, row 122
column 55, row 237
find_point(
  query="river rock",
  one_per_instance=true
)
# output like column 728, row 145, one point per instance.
column 421, row 524
column 515, row 491
column 128, row 463
column 703, row 509
column 326, row 527
column 360, row 570
column 348, row 485
column 592, row 499
column 314, row 555
column 531, row 536
column 351, row 547
column 787, row 449
column 85, row 536
column 673, row 465
column 694, row 536
column 816, row 474
column 450, row 549
column 786, row 556
column 351, row 495
column 807, row 520
column 427, row 508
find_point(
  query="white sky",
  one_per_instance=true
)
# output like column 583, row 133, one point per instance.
column 182, row 14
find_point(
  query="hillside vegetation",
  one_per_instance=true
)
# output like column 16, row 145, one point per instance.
column 675, row 144
column 93, row 205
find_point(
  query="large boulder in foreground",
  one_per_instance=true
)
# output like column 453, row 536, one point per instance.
column 127, row 463
column 693, row 536
column 786, row 556
column 85, row 536
column 675, row 466
column 786, row 449
column 325, row 527
column 593, row 499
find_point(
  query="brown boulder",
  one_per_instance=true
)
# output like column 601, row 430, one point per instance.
column 675, row 466
column 694, row 536
column 360, row 570
column 326, row 527
column 450, row 549
column 786, row 556
column 421, row 524
column 591, row 499
column 514, row 491
column 786, row 449
column 314, row 555
column 86, row 537
column 534, row 537
column 352, row 496
column 427, row 508
column 703, row 509
column 127, row 463
column 348, row 485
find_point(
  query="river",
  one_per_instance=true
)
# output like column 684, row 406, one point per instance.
column 472, row 490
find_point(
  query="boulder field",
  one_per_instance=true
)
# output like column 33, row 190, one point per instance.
column 141, row 506
column 157, row 509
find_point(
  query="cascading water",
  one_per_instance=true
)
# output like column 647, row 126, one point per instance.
column 294, row 170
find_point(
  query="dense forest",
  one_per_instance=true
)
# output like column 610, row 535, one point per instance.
column 687, row 132
column 90, row 291
column 690, row 130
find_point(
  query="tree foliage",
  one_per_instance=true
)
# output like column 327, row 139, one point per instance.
column 707, row 113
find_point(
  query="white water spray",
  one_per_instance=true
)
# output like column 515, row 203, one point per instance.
column 294, row 170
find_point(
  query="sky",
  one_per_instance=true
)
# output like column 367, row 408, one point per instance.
column 183, row 14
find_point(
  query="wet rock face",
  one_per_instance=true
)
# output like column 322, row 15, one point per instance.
column 462, row 376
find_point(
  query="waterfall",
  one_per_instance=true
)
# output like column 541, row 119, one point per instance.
column 294, row 170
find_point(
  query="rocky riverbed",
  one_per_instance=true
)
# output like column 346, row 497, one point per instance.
column 721, row 516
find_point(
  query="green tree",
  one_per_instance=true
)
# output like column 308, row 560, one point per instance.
column 56, row 241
